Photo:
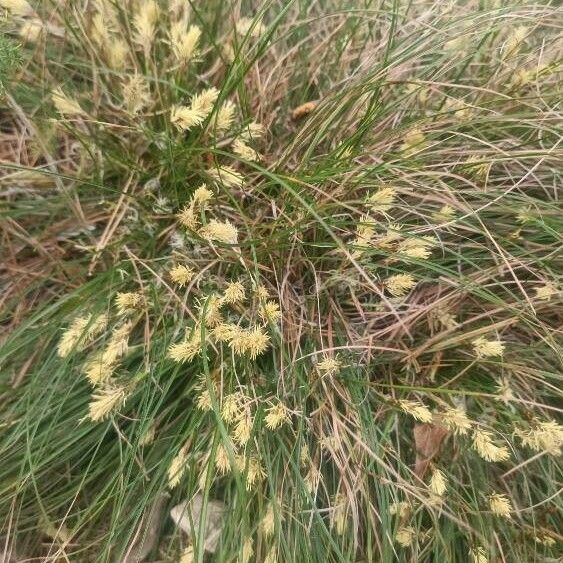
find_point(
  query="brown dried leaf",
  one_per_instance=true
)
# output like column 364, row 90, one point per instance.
column 427, row 441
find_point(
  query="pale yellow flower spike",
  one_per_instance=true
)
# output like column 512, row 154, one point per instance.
column 446, row 214
column 225, row 116
column 399, row 284
column 338, row 517
column 224, row 232
column 243, row 428
column 455, row 420
column 81, row 331
column 543, row 436
column 438, row 483
column 255, row 472
column 187, row 350
column 66, row 105
column 240, row 148
column 144, row 22
column 227, row 176
column 105, row 401
column 267, row 523
column 178, row 467
column 222, row 462
column 17, row 7
column 186, row 117
column 329, row 366
column 136, row 93
column 234, row 293
column 32, row 30
column 484, row 348
column 249, row 341
column 478, row 555
column 500, row 505
column 382, row 200
column 269, row 312
column 247, row 550
column 181, row 275
column 401, row 509
column 547, row 291
column 188, row 555
column 276, row 416
column 483, row 444
column 184, row 43
column 417, row 410
column 405, row 536
column 232, row 406
column 127, row 302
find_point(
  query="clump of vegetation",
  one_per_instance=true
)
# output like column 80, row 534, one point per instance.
column 292, row 264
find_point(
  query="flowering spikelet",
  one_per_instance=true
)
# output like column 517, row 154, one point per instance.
column 543, row 436
column 476, row 168
column 514, row 41
column 32, row 30
column 222, row 462
column 203, row 400
column 339, row 514
column 186, row 117
column 405, row 536
column 17, row 7
column 478, row 555
column 184, row 43
column 210, row 311
column 227, row 176
column 269, row 312
column 547, row 291
column 413, row 142
column 252, row 131
column 252, row 27
column 117, row 51
column 144, row 22
column 187, row 350
column 254, row 472
column 177, row 467
column 483, row 444
column 401, row 509
column 399, row 284
column 202, row 196
column 240, row 148
column 416, row 247
column 181, row 275
column 225, row 116
column 312, row 479
column 364, row 233
column 247, row 550
column 382, row 200
column 417, row 410
column 188, row 555
column 484, row 348
column 500, row 505
column 81, row 331
column 223, row 332
column 277, row 415
column 234, row 293
column 268, row 521
column 438, row 483
column 105, row 401
column 136, row 93
column 445, row 214
column 455, row 420
column 232, row 406
column 250, row 341
column 66, row 105
column 224, row 232
column 243, row 427
column 127, row 302
column 329, row 366
column 271, row 556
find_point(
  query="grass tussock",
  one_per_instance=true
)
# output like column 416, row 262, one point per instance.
column 294, row 262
